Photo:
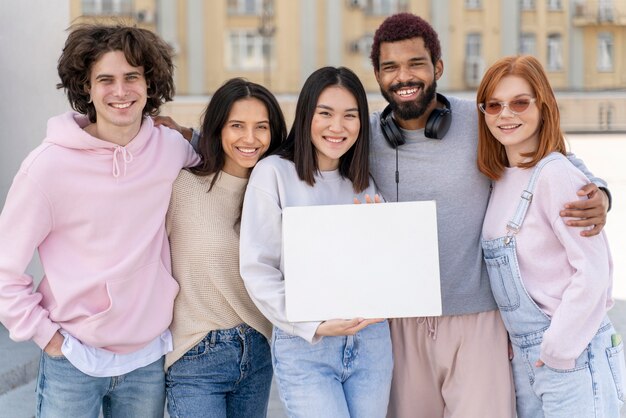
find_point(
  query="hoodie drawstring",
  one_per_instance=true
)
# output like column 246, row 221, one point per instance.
column 431, row 324
column 127, row 157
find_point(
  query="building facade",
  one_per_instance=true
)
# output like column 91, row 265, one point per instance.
column 278, row 43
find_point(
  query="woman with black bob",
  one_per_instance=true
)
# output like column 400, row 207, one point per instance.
column 335, row 368
column 552, row 285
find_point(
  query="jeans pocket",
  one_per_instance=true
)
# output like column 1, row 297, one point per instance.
column 615, row 356
column 279, row 334
column 502, row 280
column 196, row 351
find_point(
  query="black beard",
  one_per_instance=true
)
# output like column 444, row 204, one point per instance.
column 414, row 109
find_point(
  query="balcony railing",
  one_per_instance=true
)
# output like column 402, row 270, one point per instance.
column 598, row 12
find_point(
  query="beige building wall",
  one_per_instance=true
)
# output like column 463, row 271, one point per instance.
column 352, row 37
column 544, row 23
column 595, row 22
column 598, row 111
column 143, row 14
column 313, row 33
column 465, row 72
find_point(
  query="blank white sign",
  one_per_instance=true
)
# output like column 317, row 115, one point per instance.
column 370, row 261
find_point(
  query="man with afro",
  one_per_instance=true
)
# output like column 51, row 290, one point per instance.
column 424, row 148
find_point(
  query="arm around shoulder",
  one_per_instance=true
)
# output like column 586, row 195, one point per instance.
column 591, row 212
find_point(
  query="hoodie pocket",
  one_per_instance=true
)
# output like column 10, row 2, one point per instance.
column 140, row 308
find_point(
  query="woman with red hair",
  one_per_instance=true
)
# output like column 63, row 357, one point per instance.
column 552, row 285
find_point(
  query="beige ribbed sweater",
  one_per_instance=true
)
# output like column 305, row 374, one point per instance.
column 205, row 261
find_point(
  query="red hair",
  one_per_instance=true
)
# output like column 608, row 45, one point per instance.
column 491, row 153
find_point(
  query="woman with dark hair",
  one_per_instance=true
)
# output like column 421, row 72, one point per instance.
column 552, row 285
column 221, row 364
column 336, row 368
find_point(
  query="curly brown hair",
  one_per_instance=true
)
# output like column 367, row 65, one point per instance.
column 403, row 26
column 87, row 43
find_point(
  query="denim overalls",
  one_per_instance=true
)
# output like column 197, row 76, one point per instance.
column 594, row 387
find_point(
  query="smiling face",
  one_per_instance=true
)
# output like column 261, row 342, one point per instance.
column 518, row 133
column 246, row 136
column 119, row 94
column 335, row 126
column 408, row 80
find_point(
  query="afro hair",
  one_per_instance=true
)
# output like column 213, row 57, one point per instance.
column 403, row 26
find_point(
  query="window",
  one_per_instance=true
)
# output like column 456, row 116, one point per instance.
column 248, row 7
column 247, row 51
column 555, row 52
column 605, row 51
column 385, row 7
column 362, row 46
column 527, row 44
column 554, row 5
column 580, row 8
column 473, row 44
column 527, row 4
column 474, row 65
column 107, row 7
column 472, row 4
column 605, row 10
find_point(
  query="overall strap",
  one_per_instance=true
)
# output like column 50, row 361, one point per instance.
column 514, row 225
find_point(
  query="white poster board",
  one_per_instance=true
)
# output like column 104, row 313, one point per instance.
column 370, row 261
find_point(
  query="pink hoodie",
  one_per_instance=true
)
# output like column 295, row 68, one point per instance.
column 96, row 212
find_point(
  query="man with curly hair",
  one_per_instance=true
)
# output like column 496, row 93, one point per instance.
column 454, row 365
column 92, row 200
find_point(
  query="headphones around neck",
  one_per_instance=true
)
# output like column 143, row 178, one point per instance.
column 436, row 127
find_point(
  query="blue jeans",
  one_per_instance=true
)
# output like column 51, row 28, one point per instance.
column 227, row 374
column 337, row 377
column 592, row 388
column 64, row 391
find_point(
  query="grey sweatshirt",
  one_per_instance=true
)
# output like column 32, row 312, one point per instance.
column 446, row 171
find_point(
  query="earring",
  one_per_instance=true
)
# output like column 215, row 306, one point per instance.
column 89, row 101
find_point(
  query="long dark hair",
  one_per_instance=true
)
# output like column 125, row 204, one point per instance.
column 298, row 147
column 216, row 115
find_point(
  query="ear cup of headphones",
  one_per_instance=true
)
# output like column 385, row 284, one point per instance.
column 437, row 124
column 390, row 130
column 439, row 120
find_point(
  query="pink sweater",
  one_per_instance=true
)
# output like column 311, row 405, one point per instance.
column 568, row 276
column 96, row 213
